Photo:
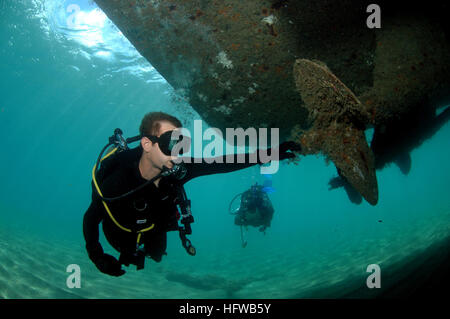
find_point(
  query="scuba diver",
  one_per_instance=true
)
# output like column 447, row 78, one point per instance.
column 255, row 210
column 138, row 193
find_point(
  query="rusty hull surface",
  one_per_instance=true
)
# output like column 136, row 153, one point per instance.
column 234, row 62
column 233, row 59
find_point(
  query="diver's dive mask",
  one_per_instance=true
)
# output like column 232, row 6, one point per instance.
column 172, row 143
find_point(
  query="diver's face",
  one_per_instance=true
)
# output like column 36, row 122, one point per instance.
column 154, row 153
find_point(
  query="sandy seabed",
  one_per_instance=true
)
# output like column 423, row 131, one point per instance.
column 32, row 266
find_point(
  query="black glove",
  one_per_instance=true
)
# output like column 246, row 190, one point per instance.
column 109, row 265
column 283, row 149
column 288, row 146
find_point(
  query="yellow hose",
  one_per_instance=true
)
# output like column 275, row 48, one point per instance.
column 106, row 206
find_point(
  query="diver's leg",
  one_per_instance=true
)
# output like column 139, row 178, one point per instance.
column 156, row 245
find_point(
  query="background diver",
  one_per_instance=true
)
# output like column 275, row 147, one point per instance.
column 255, row 210
column 138, row 195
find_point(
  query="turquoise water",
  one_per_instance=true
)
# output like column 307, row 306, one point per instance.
column 63, row 92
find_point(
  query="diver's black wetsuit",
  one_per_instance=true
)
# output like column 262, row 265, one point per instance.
column 119, row 174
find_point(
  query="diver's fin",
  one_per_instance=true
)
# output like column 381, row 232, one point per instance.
column 338, row 123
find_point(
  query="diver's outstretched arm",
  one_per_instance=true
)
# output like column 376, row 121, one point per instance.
column 216, row 165
column 224, row 164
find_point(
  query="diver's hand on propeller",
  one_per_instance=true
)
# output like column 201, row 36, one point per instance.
column 286, row 149
column 291, row 146
column 109, row 265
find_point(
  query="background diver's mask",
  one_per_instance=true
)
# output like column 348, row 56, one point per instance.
column 172, row 143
